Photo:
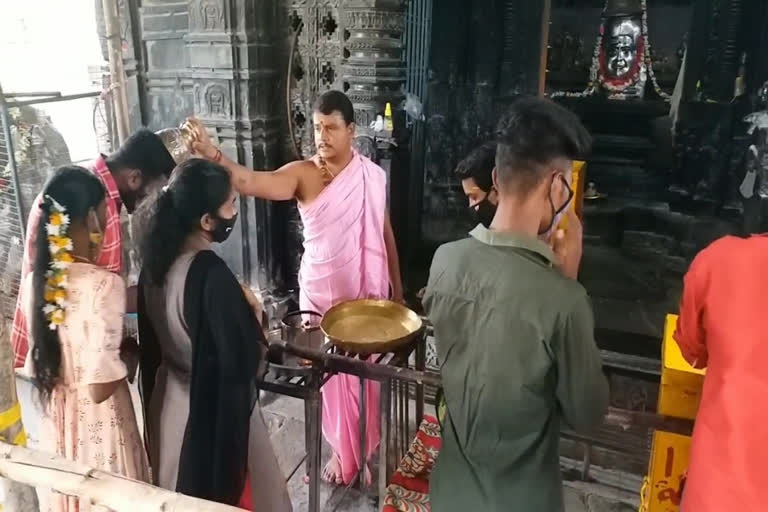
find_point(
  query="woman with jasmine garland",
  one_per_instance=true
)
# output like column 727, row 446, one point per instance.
column 76, row 357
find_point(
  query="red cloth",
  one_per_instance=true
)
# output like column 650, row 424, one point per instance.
column 723, row 327
column 246, row 500
column 111, row 257
column 408, row 490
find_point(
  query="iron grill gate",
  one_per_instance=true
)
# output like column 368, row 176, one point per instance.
column 11, row 226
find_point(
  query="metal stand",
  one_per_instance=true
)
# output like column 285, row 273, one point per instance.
column 363, row 436
column 306, row 384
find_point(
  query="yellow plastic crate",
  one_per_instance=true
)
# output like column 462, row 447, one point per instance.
column 669, row 463
column 680, row 391
column 679, row 397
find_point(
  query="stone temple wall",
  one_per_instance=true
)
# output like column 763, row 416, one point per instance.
column 251, row 72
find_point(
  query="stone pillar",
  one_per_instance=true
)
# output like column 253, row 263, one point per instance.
column 167, row 97
column 231, row 49
column 373, row 71
column 520, row 49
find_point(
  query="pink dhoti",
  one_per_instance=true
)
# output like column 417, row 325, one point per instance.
column 344, row 259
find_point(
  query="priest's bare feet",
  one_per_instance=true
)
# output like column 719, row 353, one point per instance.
column 332, row 471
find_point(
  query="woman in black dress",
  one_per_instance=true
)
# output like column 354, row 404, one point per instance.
column 202, row 351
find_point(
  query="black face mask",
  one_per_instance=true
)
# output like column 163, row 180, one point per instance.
column 556, row 212
column 223, row 228
column 485, row 211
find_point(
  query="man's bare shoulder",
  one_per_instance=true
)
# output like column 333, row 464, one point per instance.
column 299, row 167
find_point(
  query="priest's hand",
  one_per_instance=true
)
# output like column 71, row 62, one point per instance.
column 205, row 149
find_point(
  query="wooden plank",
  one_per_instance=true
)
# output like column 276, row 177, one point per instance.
column 113, row 491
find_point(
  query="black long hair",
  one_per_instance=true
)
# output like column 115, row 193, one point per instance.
column 196, row 187
column 78, row 191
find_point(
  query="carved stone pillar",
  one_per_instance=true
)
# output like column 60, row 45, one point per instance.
column 374, row 71
column 231, row 49
column 520, row 52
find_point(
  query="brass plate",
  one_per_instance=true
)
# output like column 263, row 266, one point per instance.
column 370, row 326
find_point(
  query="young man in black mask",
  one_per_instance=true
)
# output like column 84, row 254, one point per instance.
column 475, row 173
column 514, row 329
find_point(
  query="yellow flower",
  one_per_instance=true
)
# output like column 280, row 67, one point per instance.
column 56, row 280
column 56, row 219
column 57, row 317
column 60, row 242
column 64, row 257
column 60, row 295
column 50, row 294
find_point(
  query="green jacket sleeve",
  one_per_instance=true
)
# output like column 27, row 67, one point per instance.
column 582, row 389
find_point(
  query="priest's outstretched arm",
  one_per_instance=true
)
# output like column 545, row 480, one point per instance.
column 279, row 185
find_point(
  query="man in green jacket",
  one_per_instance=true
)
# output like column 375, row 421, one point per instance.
column 514, row 329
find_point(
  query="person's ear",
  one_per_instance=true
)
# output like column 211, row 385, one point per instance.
column 352, row 128
column 493, row 196
column 134, row 179
column 206, row 222
column 495, row 179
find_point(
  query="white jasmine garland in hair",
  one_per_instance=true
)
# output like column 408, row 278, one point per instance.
column 60, row 247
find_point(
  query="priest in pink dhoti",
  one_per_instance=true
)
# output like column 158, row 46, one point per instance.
column 349, row 253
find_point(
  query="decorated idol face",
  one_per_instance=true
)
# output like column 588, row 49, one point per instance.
column 622, row 35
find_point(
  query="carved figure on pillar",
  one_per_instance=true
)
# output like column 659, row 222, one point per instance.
column 207, row 15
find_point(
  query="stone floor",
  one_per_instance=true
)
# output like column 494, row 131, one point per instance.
column 285, row 419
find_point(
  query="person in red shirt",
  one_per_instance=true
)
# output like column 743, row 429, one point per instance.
column 127, row 175
column 722, row 328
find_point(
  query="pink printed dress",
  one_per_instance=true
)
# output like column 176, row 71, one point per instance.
column 104, row 436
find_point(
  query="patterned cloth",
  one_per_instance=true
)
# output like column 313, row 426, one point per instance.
column 106, row 435
column 408, row 490
column 111, row 257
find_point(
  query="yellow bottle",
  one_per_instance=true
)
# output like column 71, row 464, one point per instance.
column 388, row 117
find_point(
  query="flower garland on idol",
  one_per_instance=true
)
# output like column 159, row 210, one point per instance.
column 642, row 71
column 60, row 247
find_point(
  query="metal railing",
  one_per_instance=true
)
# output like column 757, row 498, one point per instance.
column 31, row 147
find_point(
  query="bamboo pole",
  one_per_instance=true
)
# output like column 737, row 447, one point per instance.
column 101, row 488
column 116, row 68
column 18, row 497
